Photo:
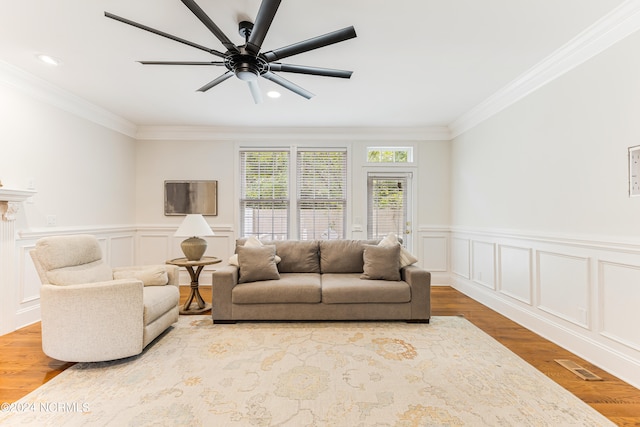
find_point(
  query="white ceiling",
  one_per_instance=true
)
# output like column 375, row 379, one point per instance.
column 416, row 63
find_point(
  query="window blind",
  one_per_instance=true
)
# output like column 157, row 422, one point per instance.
column 321, row 194
column 264, row 194
column 387, row 210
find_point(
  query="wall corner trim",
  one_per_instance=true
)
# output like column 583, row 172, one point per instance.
column 610, row 29
column 51, row 94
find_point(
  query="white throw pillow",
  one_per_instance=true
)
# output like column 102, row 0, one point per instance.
column 252, row 242
column 406, row 258
column 153, row 276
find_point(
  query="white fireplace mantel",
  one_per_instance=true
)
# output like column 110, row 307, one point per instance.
column 10, row 201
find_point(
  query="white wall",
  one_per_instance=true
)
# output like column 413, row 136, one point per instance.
column 85, row 179
column 543, row 228
column 83, row 173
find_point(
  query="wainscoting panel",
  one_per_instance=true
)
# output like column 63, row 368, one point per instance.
column 620, row 295
column 483, row 268
column 564, row 286
column 435, row 253
column 583, row 294
column 515, row 272
column 154, row 248
column 121, row 251
column 460, row 257
column 29, row 280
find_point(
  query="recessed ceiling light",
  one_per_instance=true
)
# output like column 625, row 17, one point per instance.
column 49, row 60
column 273, row 94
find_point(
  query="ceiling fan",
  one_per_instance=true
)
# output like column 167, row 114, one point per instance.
column 246, row 61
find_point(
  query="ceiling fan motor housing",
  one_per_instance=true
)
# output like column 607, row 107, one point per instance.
column 245, row 66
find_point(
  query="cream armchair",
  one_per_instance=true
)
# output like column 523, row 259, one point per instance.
column 91, row 313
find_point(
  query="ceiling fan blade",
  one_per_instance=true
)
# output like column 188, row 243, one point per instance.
column 181, row 63
column 216, row 81
column 163, row 34
column 287, row 84
column 310, row 44
column 204, row 18
column 266, row 13
column 314, row 71
column 255, row 91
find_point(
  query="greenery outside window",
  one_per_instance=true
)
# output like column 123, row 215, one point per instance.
column 389, row 154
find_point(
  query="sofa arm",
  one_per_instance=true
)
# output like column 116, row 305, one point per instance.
column 222, row 282
column 92, row 322
column 420, row 282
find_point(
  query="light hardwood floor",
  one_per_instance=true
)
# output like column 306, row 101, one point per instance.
column 23, row 366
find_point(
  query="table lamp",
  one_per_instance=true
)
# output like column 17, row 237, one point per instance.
column 194, row 226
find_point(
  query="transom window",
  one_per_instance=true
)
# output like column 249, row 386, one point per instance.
column 389, row 154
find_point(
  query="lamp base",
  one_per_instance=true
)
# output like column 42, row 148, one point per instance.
column 193, row 248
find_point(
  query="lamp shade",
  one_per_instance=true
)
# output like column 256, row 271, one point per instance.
column 194, row 225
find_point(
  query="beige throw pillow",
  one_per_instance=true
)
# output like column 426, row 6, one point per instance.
column 406, row 258
column 257, row 263
column 155, row 276
column 381, row 262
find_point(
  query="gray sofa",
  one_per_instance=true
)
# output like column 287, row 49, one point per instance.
column 320, row 280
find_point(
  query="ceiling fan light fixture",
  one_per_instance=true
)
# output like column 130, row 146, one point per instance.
column 48, row 59
column 246, row 75
column 273, row 94
column 247, row 70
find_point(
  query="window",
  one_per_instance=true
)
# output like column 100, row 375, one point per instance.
column 387, row 205
column 389, row 154
column 319, row 208
column 322, row 198
column 264, row 194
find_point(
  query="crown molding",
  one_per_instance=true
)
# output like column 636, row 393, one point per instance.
column 209, row 133
column 46, row 92
column 610, row 29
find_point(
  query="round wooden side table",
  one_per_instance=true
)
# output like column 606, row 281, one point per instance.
column 194, row 268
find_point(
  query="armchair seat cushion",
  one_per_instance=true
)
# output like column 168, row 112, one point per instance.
column 158, row 300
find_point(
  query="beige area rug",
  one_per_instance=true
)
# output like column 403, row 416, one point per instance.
column 447, row 373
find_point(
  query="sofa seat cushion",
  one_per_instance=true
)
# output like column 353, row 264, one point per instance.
column 351, row 289
column 291, row 288
column 157, row 300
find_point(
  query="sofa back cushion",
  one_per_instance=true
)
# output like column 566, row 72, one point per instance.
column 343, row 256
column 298, row 256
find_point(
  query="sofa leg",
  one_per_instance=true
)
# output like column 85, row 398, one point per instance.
column 418, row 321
column 224, row 322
